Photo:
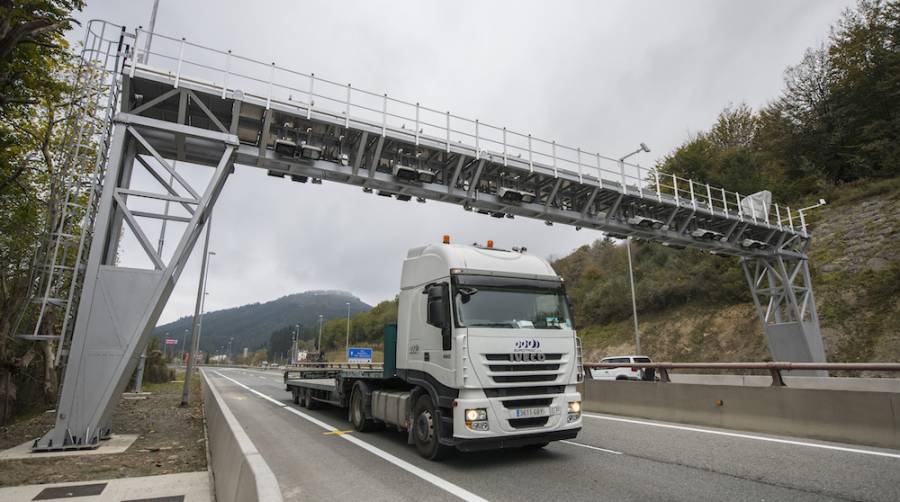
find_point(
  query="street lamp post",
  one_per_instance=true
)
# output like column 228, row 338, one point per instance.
column 195, row 346
column 187, row 333
column 637, row 332
column 198, row 309
column 150, row 33
column 347, row 351
column 294, row 344
column 319, row 344
column 803, row 217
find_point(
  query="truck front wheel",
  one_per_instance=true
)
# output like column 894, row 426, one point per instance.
column 426, row 430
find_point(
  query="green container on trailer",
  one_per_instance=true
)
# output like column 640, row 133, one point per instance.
column 390, row 350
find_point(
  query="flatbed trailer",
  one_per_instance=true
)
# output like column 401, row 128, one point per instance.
column 329, row 383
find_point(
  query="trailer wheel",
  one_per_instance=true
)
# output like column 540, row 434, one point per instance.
column 295, row 394
column 358, row 411
column 308, row 402
column 426, row 430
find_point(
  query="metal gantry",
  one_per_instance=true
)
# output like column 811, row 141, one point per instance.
column 206, row 108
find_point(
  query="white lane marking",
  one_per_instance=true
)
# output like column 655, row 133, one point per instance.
column 745, row 436
column 591, row 447
column 412, row 469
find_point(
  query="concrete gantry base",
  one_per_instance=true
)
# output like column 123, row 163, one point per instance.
column 184, row 487
column 117, row 443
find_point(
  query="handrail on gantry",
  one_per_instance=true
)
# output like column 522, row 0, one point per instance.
column 178, row 57
column 775, row 368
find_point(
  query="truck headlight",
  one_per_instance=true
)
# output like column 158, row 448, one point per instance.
column 476, row 414
column 574, row 411
column 476, row 419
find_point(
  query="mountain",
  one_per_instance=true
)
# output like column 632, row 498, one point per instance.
column 251, row 325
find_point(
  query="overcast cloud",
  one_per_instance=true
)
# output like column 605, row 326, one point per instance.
column 602, row 75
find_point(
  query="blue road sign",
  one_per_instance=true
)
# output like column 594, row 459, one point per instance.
column 359, row 355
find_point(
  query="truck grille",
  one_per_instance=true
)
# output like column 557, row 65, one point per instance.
column 524, row 391
column 527, row 403
column 524, row 367
column 523, row 423
column 511, row 357
column 523, row 378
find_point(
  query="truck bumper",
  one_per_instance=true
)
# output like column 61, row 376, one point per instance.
column 493, row 443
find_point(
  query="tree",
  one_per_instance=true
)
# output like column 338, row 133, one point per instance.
column 30, row 34
column 865, row 97
column 35, row 71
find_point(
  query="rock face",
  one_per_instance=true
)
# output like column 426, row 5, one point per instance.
column 855, row 259
column 858, row 235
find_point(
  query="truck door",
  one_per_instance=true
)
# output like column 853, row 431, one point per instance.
column 437, row 339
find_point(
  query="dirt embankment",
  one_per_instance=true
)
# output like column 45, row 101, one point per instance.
column 170, row 440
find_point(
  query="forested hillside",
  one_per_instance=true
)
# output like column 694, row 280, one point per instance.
column 251, row 325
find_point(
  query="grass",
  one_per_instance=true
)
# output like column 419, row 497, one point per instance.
column 173, row 386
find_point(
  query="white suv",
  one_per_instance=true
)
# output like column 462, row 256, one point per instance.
column 624, row 372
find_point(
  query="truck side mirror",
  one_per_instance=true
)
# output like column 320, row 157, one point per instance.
column 438, row 311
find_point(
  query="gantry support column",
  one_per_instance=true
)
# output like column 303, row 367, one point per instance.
column 783, row 295
column 119, row 305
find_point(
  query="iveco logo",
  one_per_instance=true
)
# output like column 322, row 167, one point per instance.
column 524, row 357
column 528, row 344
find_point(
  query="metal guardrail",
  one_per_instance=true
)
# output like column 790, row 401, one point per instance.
column 227, row 72
column 774, row 368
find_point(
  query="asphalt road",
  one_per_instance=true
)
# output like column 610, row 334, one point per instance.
column 613, row 458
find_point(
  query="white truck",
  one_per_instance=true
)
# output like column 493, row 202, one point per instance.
column 484, row 355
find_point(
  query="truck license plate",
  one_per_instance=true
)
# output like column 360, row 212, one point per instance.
column 529, row 412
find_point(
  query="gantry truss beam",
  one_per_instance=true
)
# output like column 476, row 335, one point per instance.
column 313, row 144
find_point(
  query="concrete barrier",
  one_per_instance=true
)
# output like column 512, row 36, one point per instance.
column 797, row 382
column 870, row 418
column 239, row 472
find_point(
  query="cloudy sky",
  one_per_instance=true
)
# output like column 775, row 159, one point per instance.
column 602, row 75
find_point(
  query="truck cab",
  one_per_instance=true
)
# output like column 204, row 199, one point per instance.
column 488, row 337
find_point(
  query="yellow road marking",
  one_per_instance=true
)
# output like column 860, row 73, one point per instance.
column 337, row 433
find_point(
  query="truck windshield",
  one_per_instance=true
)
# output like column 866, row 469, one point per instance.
column 498, row 307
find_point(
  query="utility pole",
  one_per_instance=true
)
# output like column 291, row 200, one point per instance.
column 195, row 333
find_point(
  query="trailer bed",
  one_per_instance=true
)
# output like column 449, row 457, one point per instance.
column 329, row 382
column 326, row 384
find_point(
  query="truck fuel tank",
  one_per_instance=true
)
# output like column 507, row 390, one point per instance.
column 390, row 407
